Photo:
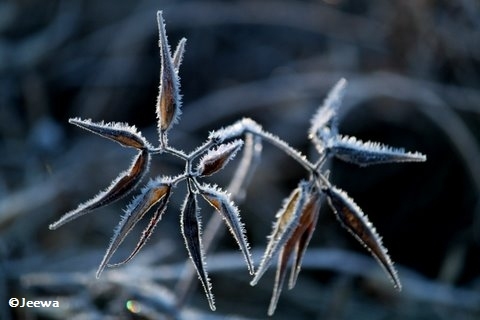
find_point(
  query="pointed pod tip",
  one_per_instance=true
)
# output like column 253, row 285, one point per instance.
column 271, row 311
column 257, row 277
column 396, row 282
column 101, row 267
column 251, row 269
column 211, row 299
column 338, row 88
column 160, row 22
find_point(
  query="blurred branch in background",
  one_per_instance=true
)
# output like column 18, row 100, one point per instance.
column 414, row 81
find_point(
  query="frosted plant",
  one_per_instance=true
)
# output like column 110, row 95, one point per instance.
column 295, row 221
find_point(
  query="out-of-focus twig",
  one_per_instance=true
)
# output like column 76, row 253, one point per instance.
column 28, row 52
column 416, row 287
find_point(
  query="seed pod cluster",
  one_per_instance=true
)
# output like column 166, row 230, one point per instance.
column 297, row 218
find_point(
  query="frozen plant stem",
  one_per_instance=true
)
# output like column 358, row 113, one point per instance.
column 295, row 221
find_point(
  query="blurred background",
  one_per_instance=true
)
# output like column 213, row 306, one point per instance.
column 414, row 82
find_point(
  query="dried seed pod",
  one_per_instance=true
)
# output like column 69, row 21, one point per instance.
column 327, row 113
column 297, row 243
column 287, row 221
column 216, row 159
column 126, row 135
column 356, row 222
column 302, row 235
column 178, row 55
column 280, row 274
column 191, row 231
column 121, row 186
column 361, row 153
column 151, row 195
column 218, row 199
column 147, row 232
column 169, row 100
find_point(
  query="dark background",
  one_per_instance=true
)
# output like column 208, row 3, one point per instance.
column 414, row 82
